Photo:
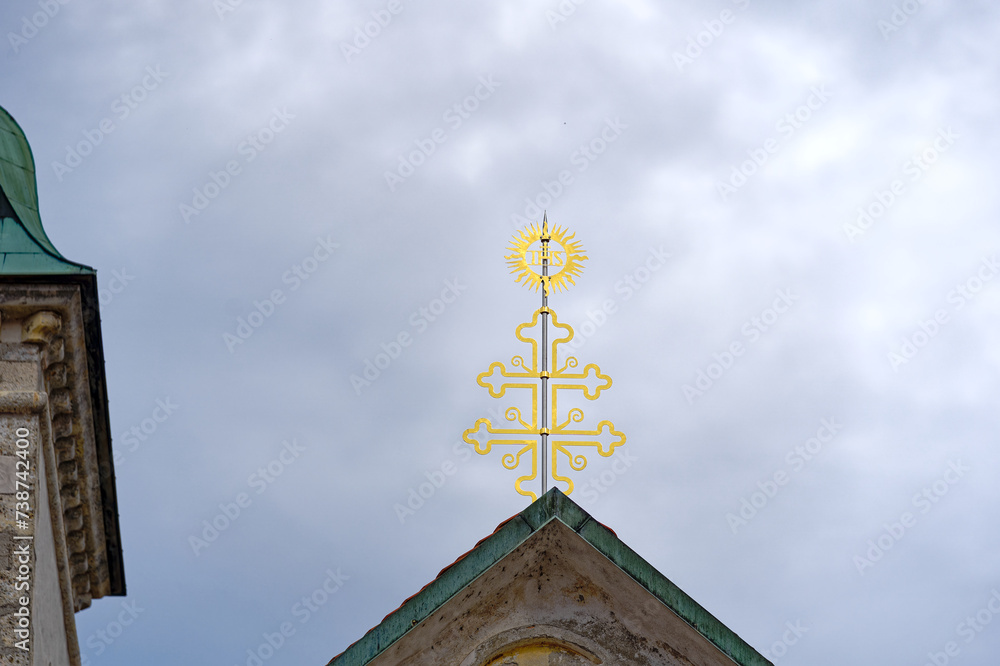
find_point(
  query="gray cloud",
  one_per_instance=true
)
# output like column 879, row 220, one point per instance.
column 656, row 185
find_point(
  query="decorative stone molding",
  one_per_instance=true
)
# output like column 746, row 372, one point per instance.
column 46, row 374
column 22, row 402
column 41, row 327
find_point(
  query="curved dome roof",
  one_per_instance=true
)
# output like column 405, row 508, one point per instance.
column 25, row 249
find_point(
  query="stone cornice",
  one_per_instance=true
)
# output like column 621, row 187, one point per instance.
column 53, row 319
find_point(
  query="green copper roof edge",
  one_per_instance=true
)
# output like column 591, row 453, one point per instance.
column 47, row 264
column 26, row 146
column 554, row 505
column 40, row 238
column 438, row 592
column 674, row 598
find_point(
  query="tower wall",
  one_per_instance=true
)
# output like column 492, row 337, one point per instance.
column 53, row 547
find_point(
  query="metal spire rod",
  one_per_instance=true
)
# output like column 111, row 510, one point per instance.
column 545, row 353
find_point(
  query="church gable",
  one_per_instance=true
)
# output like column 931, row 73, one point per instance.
column 550, row 586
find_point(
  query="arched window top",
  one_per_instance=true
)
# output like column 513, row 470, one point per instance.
column 542, row 653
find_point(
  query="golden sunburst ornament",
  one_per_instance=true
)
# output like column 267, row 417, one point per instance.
column 532, row 247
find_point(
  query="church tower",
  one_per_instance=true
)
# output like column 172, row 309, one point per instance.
column 60, row 545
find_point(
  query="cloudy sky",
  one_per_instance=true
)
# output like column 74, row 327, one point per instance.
column 790, row 218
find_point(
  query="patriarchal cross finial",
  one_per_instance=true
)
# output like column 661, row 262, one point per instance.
column 543, row 258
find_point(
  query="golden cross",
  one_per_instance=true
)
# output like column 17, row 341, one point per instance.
column 542, row 375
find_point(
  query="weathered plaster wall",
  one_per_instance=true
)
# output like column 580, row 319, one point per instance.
column 553, row 589
column 51, row 644
column 11, row 589
column 32, row 626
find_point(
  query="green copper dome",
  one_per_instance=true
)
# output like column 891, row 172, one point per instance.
column 24, row 247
